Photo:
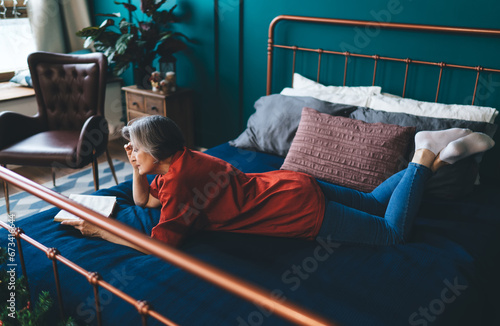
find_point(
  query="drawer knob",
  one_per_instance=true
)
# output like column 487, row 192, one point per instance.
column 154, row 108
column 135, row 103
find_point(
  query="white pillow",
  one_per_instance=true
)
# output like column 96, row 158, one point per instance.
column 342, row 98
column 301, row 82
column 431, row 109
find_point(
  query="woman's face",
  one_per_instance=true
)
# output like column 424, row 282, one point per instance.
column 145, row 163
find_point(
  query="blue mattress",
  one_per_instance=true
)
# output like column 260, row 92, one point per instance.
column 446, row 275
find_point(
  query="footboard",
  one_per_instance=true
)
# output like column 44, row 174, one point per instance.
column 209, row 273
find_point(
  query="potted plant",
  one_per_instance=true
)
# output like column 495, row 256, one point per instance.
column 138, row 42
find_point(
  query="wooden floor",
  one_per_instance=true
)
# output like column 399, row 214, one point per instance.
column 42, row 175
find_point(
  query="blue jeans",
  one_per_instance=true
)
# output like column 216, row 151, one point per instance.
column 383, row 217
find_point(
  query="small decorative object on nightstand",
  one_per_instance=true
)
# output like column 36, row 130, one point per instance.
column 155, row 81
column 177, row 105
column 171, row 81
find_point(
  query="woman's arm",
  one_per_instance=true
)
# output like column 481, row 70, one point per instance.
column 140, row 191
column 140, row 184
column 90, row 230
column 142, row 197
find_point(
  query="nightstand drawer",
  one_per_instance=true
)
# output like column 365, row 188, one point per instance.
column 155, row 106
column 135, row 114
column 135, row 102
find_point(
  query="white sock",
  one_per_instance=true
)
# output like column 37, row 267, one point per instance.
column 435, row 141
column 471, row 144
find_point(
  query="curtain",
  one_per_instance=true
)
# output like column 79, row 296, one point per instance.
column 55, row 22
column 15, row 36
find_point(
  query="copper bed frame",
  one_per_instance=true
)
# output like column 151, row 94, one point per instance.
column 375, row 57
column 237, row 286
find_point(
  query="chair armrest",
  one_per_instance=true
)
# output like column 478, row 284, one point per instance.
column 15, row 127
column 94, row 134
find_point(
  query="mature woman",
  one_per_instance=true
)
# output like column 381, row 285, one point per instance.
column 199, row 192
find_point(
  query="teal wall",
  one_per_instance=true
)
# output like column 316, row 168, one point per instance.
column 226, row 63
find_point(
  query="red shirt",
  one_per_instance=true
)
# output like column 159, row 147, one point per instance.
column 202, row 192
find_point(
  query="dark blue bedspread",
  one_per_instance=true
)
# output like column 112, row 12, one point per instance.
column 446, row 275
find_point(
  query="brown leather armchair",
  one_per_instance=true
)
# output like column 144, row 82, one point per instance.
column 69, row 129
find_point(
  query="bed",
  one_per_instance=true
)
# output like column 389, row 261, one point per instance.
column 445, row 275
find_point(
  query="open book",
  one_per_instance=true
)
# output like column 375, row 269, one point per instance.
column 101, row 204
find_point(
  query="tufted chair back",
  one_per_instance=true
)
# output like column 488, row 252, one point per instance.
column 70, row 129
column 69, row 88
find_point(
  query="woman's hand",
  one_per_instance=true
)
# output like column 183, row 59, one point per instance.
column 90, row 230
column 86, row 228
column 128, row 149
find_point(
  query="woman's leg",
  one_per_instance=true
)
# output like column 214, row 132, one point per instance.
column 374, row 202
column 346, row 224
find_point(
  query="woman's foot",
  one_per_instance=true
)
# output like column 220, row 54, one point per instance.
column 435, row 141
column 424, row 157
column 461, row 148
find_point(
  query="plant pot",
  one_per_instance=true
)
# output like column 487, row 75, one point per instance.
column 141, row 76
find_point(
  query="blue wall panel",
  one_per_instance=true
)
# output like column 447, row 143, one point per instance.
column 226, row 64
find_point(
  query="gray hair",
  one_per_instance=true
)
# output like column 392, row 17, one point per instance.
column 156, row 135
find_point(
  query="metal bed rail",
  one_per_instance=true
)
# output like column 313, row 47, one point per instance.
column 375, row 57
column 213, row 275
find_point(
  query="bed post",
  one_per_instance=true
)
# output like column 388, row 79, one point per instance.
column 52, row 255
column 17, row 234
column 270, row 48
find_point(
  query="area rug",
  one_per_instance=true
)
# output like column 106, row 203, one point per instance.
column 24, row 204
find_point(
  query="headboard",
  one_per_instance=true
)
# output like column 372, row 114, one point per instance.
column 445, row 79
column 375, row 57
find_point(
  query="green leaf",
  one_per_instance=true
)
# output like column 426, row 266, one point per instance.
column 170, row 46
column 127, row 6
column 88, row 42
column 178, row 34
column 165, row 35
column 117, row 14
column 123, row 42
column 110, row 54
column 163, row 17
column 124, row 26
column 172, row 9
column 106, row 23
column 120, row 68
column 159, row 4
column 88, row 31
column 3, row 255
column 69, row 322
column 107, row 39
column 134, row 30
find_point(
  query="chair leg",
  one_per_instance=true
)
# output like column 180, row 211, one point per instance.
column 95, row 171
column 111, row 166
column 6, row 193
column 54, row 176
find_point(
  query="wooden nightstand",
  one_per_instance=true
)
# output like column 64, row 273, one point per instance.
column 178, row 106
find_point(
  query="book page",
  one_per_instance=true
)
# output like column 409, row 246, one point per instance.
column 101, row 204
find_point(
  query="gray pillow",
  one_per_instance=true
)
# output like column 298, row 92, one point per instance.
column 420, row 122
column 452, row 181
column 273, row 125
